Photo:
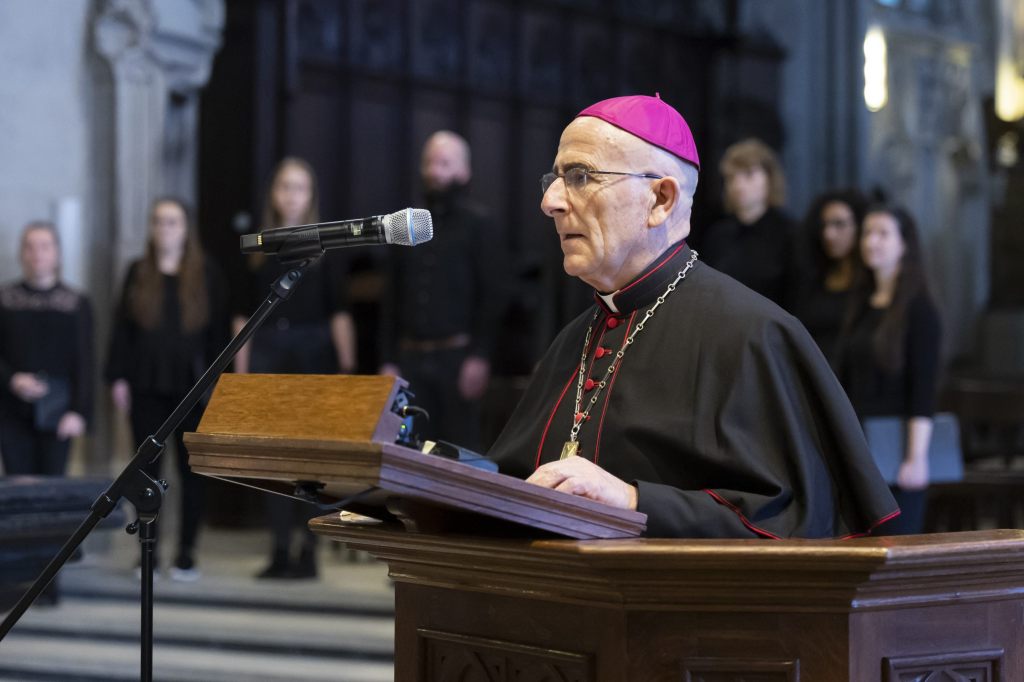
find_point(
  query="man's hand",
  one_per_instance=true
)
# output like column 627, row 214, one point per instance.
column 121, row 394
column 28, row 387
column 71, row 425
column 913, row 474
column 390, row 369
column 579, row 476
column 473, row 377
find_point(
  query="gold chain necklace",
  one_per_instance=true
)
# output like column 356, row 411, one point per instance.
column 572, row 446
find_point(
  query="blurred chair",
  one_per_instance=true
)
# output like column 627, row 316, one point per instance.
column 37, row 516
column 991, row 414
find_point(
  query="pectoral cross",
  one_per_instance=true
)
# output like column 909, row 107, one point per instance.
column 570, row 449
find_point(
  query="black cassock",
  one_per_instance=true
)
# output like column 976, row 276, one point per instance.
column 723, row 413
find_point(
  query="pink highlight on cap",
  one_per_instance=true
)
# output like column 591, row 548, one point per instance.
column 651, row 119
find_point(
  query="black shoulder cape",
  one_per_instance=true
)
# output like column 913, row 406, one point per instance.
column 723, row 413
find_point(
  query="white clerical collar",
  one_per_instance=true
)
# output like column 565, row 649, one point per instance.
column 609, row 300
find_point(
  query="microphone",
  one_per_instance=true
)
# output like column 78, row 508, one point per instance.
column 407, row 227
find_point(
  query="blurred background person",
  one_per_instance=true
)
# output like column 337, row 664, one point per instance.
column 755, row 244
column 889, row 351
column 311, row 333
column 169, row 326
column 46, row 363
column 831, row 235
column 442, row 302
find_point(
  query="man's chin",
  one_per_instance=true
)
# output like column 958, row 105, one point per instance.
column 574, row 265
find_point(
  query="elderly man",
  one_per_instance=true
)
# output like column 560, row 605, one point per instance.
column 681, row 394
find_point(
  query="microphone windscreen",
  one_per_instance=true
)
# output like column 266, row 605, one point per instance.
column 409, row 227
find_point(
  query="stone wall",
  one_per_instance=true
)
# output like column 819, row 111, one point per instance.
column 924, row 148
column 50, row 166
column 98, row 105
column 819, row 99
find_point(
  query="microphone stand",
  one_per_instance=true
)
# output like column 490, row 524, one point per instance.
column 145, row 494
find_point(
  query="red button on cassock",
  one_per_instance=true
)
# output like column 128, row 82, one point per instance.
column 613, row 322
column 589, row 384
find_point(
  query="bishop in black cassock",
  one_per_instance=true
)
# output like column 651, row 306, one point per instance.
column 694, row 400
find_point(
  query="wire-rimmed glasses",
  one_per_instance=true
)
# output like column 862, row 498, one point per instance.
column 576, row 178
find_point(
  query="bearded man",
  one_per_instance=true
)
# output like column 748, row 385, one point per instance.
column 442, row 304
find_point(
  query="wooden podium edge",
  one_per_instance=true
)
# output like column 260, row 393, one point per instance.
column 402, row 472
column 711, row 574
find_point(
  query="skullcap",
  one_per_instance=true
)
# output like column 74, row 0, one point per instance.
column 651, row 119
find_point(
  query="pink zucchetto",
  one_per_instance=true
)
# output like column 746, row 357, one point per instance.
column 650, row 119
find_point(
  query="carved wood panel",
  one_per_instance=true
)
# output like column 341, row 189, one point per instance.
column 738, row 670
column 448, row 657
column 974, row 666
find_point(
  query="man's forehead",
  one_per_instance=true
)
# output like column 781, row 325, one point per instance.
column 442, row 146
column 446, row 145
column 589, row 141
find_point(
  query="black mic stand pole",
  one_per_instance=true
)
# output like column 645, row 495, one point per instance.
column 143, row 492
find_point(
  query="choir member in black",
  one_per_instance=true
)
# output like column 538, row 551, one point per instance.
column 832, row 238
column 756, row 243
column 442, row 304
column 45, row 360
column 170, row 324
column 889, row 357
column 680, row 393
column 310, row 333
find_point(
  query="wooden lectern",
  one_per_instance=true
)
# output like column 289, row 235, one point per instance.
column 334, row 435
column 486, row 592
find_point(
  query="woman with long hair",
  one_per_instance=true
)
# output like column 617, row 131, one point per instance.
column 832, row 242
column 169, row 325
column 889, row 358
column 312, row 333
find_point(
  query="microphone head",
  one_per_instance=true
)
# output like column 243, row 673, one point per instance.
column 408, row 227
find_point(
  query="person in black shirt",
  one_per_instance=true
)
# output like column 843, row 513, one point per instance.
column 46, row 365
column 311, row 333
column 169, row 325
column 832, row 238
column 756, row 243
column 442, row 305
column 889, row 357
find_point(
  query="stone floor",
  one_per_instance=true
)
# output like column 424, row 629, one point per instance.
column 225, row 626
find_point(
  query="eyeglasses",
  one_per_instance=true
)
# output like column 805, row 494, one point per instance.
column 576, row 178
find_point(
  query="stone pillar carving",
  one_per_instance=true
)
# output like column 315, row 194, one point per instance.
column 160, row 53
column 924, row 151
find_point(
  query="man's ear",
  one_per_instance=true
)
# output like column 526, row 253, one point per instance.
column 666, row 195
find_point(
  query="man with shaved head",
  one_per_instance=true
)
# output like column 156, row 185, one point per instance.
column 681, row 393
column 441, row 307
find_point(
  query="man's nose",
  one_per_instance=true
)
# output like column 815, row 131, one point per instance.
column 554, row 200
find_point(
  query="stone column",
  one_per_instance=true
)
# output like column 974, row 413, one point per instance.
column 160, row 53
column 925, row 152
